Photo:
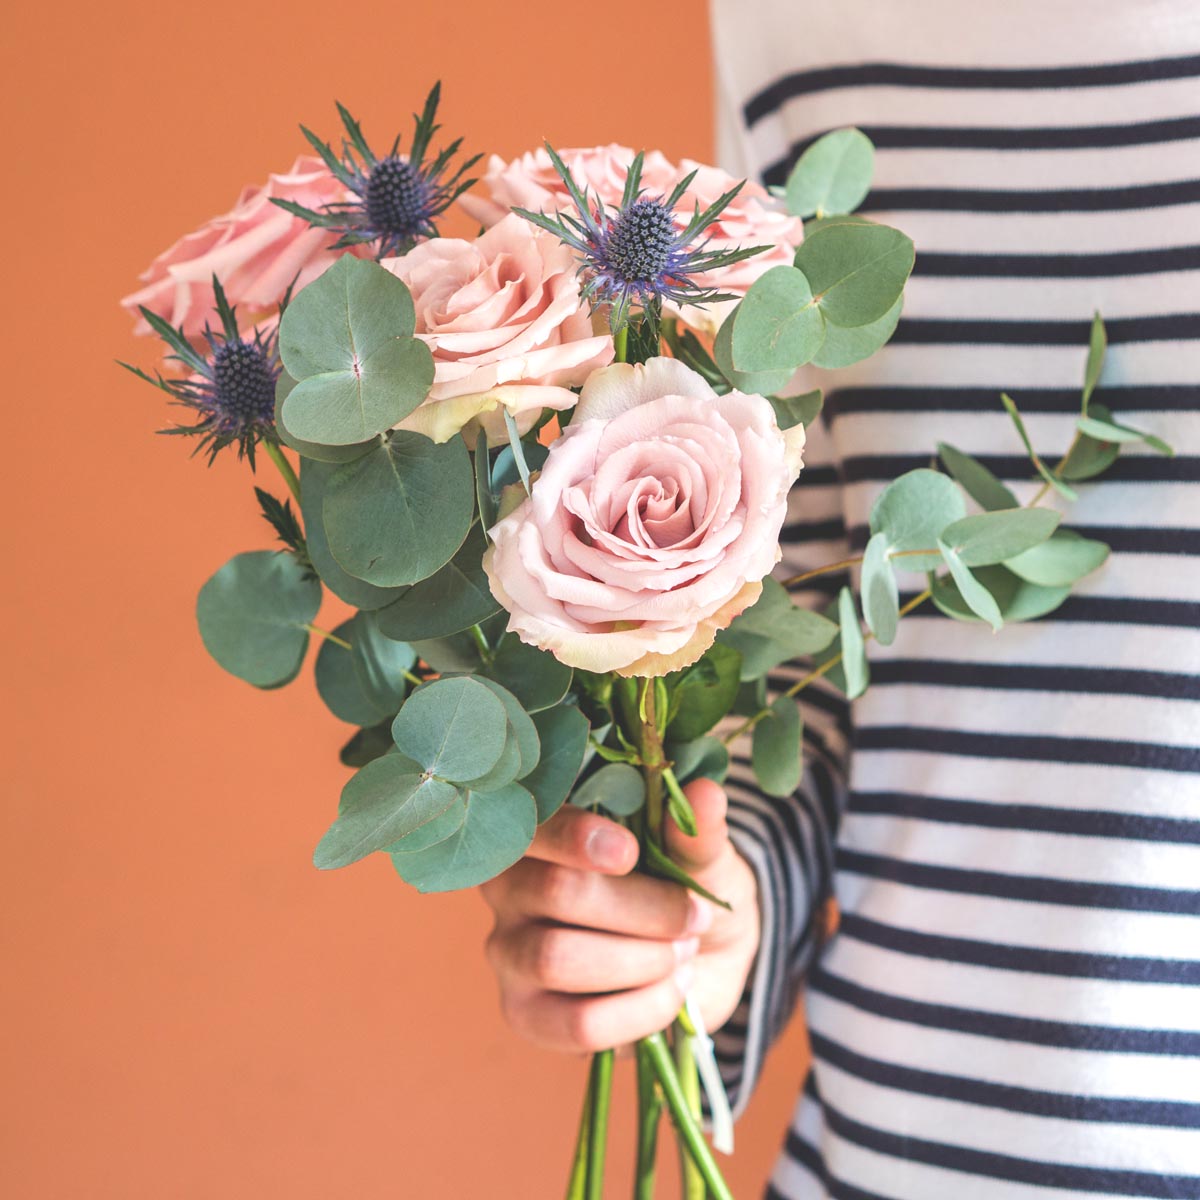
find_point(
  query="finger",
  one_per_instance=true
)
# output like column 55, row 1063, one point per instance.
column 710, row 805
column 633, row 904
column 557, row 958
column 574, row 838
column 590, row 1023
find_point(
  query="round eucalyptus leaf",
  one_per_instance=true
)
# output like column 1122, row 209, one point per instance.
column 380, row 663
column 992, row 537
column 497, row 830
column 618, row 788
column 856, row 272
column 367, row 745
column 563, row 734
column 400, row 512
column 333, row 454
column 832, row 176
column 457, row 654
column 455, row 728
column 1089, row 458
column 762, row 383
column 1059, row 562
column 704, row 758
column 535, row 677
column 773, row 630
column 913, row 510
column 338, row 683
column 449, row 601
column 791, row 411
column 254, row 615
column 506, row 770
column 844, row 347
column 506, row 473
column 314, row 478
column 778, row 326
column 1016, row 599
column 776, row 753
column 974, row 594
column 386, row 800
column 520, row 723
column 434, row 831
column 880, row 593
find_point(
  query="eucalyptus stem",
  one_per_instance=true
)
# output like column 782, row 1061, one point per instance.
column 602, row 1074
column 485, row 650
column 278, row 457
column 579, row 1164
column 330, row 637
column 685, row 1123
column 693, row 1185
column 649, row 1111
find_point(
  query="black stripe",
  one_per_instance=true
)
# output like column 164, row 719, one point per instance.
column 1113, row 265
column 1023, row 959
column 1106, row 681
column 1040, row 200
column 1034, row 817
column 983, row 1163
column 1129, row 468
column 1105, row 1039
column 809, row 1157
column 912, row 331
column 832, row 530
column 1164, row 1113
column 1121, row 539
column 1030, row 888
column 885, row 74
column 982, row 401
column 1146, row 756
column 1105, row 610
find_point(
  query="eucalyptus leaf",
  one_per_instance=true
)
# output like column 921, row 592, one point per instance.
column 762, row 383
column 1097, row 346
column 1105, row 429
column 679, row 807
column 618, row 788
column 702, row 698
column 436, row 830
column 979, row 483
column 993, row 537
column 913, row 510
column 1088, row 458
column 657, row 862
column 535, row 677
column 483, row 481
column 854, row 652
column 452, row 599
column 496, row 831
column 380, row 663
column 1016, row 599
column 774, row 630
column 347, row 340
column 386, row 800
column 704, row 758
column 775, row 749
column 1044, row 471
column 856, row 272
column 367, row 745
column 506, row 770
column 777, row 326
column 505, row 471
column 455, row 728
column 400, row 512
column 254, row 615
column 563, row 733
column 333, row 454
column 832, row 176
column 338, row 683
column 1059, row 562
column 791, row 411
column 456, row 654
column 880, row 592
column 975, row 595
column 314, row 478
column 843, row 347
column 520, row 723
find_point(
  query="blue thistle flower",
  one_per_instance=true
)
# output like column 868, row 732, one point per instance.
column 637, row 252
column 398, row 196
column 231, row 389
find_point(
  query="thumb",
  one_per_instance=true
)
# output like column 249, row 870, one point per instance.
column 709, row 803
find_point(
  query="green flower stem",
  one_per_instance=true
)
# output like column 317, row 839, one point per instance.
column 602, row 1074
column 415, row 680
column 278, row 457
column 330, row 637
column 621, row 344
column 653, row 760
column 578, row 1180
column 485, row 651
column 649, row 1112
column 694, row 1187
column 686, row 1124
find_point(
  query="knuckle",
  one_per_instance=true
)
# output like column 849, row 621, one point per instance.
column 549, row 959
column 559, row 889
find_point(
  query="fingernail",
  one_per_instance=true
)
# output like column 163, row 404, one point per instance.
column 685, row 949
column 683, row 978
column 700, row 914
column 606, row 847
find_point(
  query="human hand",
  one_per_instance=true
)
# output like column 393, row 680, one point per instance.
column 589, row 956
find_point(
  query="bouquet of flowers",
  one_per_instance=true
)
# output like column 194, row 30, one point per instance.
column 547, row 468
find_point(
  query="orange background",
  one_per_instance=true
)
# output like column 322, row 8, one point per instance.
column 190, row 1009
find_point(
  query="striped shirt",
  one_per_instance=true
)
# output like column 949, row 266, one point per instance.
column 1010, row 823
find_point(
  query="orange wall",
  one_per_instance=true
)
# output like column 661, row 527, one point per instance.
column 189, row 1008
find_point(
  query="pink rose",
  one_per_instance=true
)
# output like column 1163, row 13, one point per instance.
column 532, row 182
column 506, row 324
column 256, row 250
column 652, row 524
